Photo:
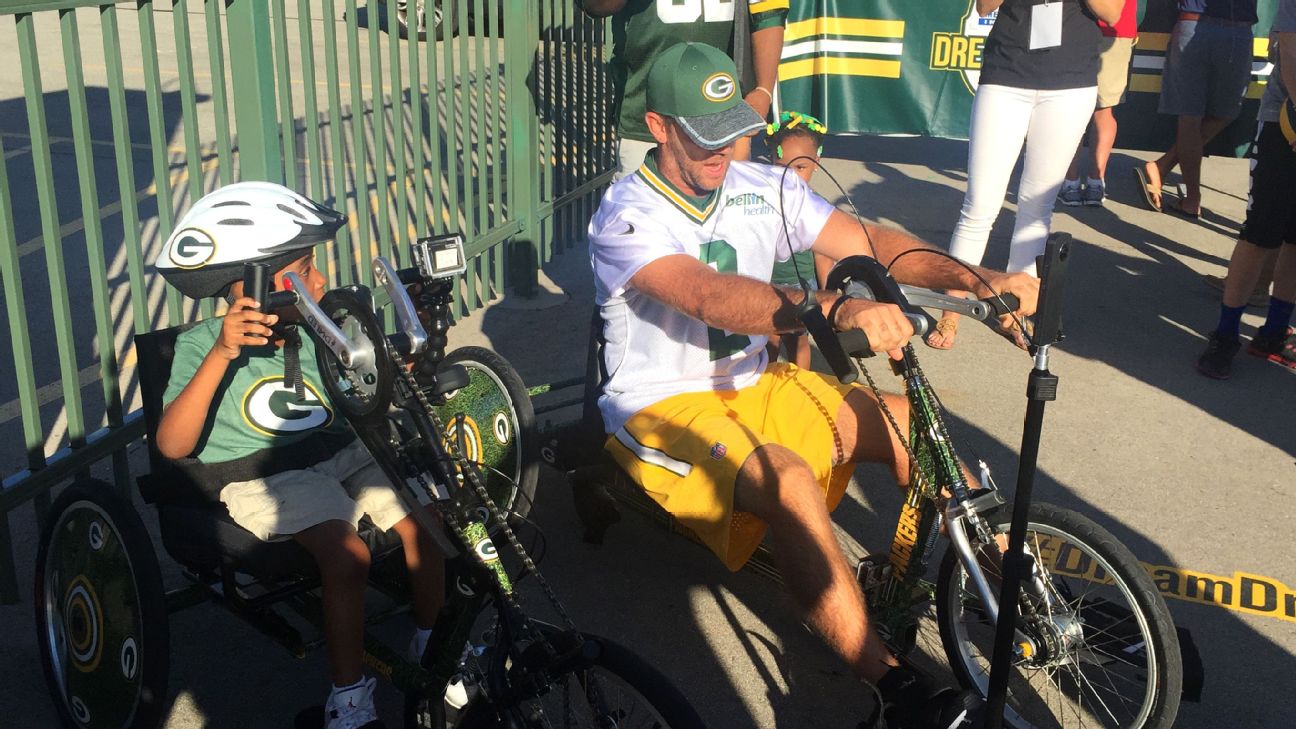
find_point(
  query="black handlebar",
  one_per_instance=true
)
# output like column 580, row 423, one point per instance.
column 256, row 284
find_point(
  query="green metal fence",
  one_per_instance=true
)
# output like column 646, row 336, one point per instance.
column 124, row 114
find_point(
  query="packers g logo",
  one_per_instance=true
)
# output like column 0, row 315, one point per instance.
column 961, row 51
column 271, row 408
column 719, row 87
column 192, row 248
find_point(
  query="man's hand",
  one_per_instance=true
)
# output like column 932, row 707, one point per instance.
column 1022, row 285
column 885, row 325
column 244, row 324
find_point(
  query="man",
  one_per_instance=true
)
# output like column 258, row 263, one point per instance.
column 731, row 445
column 1270, row 221
column 642, row 29
column 1114, row 54
column 1207, row 69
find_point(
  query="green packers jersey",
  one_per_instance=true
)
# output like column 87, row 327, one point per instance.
column 645, row 28
column 253, row 410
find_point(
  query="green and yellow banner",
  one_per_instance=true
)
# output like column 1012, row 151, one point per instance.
column 905, row 67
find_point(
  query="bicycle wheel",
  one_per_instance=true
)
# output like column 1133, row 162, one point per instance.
column 499, row 426
column 1106, row 651
column 101, row 615
column 619, row 689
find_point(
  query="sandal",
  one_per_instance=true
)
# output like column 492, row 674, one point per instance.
column 1151, row 196
column 944, row 333
column 1013, row 332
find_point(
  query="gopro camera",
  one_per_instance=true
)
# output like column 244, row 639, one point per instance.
column 440, row 256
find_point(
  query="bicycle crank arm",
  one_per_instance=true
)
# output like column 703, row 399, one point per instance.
column 412, row 338
column 921, row 297
column 349, row 353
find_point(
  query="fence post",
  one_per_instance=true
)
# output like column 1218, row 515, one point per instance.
column 521, row 29
column 252, row 75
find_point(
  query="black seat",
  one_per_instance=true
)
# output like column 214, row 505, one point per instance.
column 197, row 530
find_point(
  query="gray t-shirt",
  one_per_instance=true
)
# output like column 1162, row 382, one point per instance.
column 1275, row 94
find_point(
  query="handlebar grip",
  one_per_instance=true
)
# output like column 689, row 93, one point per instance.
column 856, row 343
column 1009, row 300
column 256, row 283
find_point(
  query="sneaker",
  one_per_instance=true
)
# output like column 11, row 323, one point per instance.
column 1070, row 194
column 1278, row 348
column 352, row 707
column 1217, row 361
column 912, row 701
column 1094, row 192
column 457, row 692
column 1259, row 297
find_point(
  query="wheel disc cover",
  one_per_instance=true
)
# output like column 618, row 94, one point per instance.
column 92, row 619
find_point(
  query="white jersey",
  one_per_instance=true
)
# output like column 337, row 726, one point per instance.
column 653, row 351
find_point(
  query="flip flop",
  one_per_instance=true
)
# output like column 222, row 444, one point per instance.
column 947, row 328
column 1013, row 333
column 1150, row 196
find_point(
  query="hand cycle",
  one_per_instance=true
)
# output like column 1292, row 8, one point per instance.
column 522, row 672
column 1094, row 643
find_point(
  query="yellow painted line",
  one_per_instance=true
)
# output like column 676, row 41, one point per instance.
column 843, row 26
column 207, row 151
column 54, row 391
column 839, row 67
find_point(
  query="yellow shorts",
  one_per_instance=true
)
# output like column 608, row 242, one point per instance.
column 685, row 451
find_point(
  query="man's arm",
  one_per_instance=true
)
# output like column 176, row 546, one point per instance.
column 746, row 306
column 985, row 7
column 1287, row 62
column 1108, row 11
column 602, row 8
column 843, row 236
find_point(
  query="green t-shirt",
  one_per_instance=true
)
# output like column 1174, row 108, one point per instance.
column 785, row 272
column 253, row 410
column 645, row 28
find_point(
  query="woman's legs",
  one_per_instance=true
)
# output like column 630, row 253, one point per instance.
column 1000, row 115
column 1057, row 123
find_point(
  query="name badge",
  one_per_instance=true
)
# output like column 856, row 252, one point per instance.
column 1046, row 26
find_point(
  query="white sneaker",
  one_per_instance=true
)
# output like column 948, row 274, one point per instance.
column 352, row 708
column 456, row 692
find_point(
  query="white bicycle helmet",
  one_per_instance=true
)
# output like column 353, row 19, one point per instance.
column 237, row 224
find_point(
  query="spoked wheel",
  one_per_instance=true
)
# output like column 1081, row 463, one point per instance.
column 619, row 690
column 363, row 389
column 1105, row 652
column 101, row 615
column 499, row 426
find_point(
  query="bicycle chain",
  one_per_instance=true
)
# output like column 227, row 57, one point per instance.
column 471, row 477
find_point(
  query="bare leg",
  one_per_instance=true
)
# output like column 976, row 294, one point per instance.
column 426, row 566
column 1243, row 272
column 343, row 561
column 1284, row 274
column 1101, row 142
column 778, row 486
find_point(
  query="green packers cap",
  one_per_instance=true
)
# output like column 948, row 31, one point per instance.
column 695, row 84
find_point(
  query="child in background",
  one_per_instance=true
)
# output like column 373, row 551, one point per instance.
column 796, row 141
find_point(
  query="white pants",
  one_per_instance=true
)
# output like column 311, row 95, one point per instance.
column 630, row 156
column 1051, row 123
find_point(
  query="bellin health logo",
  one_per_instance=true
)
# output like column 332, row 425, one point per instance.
column 961, row 51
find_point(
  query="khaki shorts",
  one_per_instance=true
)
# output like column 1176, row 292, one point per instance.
column 343, row 488
column 1113, row 70
column 686, row 450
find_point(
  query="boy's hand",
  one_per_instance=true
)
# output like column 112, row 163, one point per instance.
column 244, row 324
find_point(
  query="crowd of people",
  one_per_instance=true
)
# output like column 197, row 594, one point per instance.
column 692, row 293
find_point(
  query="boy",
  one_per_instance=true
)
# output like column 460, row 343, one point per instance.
column 289, row 467
column 796, row 141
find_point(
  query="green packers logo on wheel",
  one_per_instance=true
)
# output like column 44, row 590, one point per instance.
column 271, row 407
